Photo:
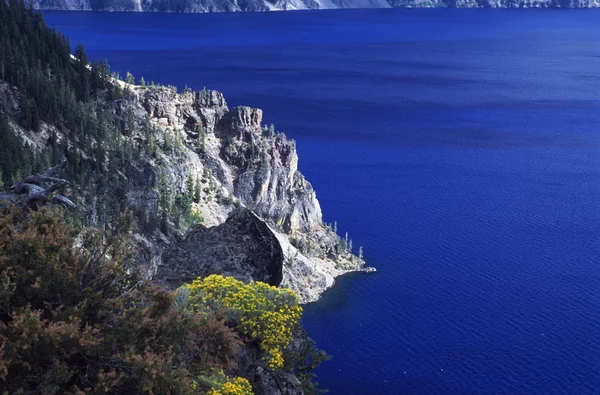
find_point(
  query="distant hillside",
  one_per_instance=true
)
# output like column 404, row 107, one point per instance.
column 201, row 6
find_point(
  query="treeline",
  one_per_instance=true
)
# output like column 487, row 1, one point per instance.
column 75, row 100
column 70, row 94
column 37, row 60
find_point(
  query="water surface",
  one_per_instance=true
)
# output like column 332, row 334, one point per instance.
column 459, row 147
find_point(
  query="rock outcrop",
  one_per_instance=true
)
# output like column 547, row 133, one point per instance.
column 239, row 169
column 202, row 6
column 495, row 3
column 242, row 247
column 241, row 163
column 280, row 383
column 265, row 172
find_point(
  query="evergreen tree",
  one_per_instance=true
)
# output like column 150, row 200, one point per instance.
column 197, row 191
column 189, row 184
column 83, row 86
column 129, row 78
column 130, row 121
column 15, row 158
column 164, row 193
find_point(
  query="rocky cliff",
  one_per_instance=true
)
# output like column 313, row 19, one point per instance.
column 260, row 218
column 495, row 3
column 201, row 6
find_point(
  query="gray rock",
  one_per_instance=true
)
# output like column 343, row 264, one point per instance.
column 201, row 6
column 243, row 247
column 265, row 170
column 236, row 161
column 276, row 383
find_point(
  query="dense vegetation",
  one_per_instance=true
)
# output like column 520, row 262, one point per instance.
column 258, row 311
column 80, row 320
column 74, row 102
column 59, row 91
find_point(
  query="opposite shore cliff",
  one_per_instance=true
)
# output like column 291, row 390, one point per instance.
column 202, row 6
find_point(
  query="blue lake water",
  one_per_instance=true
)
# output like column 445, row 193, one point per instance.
column 461, row 148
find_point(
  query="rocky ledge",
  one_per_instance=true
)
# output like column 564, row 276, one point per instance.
column 240, row 163
column 260, row 217
column 248, row 165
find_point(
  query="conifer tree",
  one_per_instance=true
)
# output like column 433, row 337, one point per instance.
column 164, row 193
column 189, row 184
column 197, row 191
column 129, row 78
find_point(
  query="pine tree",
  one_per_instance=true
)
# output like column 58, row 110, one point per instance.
column 360, row 252
column 350, row 246
column 197, row 191
column 164, row 193
column 201, row 140
column 84, row 83
column 142, row 81
column 335, row 227
column 130, row 121
column 189, row 184
column 129, row 78
column 343, row 245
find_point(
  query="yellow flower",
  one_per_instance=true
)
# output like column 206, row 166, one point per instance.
column 265, row 312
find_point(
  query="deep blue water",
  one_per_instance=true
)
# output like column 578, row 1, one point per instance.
column 461, row 148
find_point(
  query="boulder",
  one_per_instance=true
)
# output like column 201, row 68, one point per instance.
column 242, row 247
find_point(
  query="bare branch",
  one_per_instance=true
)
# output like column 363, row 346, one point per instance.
column 39, row 189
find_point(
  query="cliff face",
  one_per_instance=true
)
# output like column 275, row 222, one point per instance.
column 246, row 165
column 202, row 6
column 261, row 218
column 495, row 3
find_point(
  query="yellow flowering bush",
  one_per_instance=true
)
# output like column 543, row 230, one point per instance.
column 239, row 386
column 261, row 311
column 220, row 384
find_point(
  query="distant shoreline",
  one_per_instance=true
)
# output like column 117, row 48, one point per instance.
column 226, row 6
